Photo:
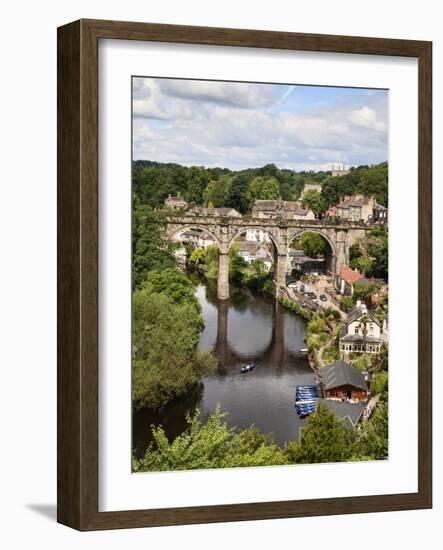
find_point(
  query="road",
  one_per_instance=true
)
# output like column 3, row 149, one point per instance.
column 324, row 304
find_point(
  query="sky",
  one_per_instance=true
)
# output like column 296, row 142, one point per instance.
column 240, row 125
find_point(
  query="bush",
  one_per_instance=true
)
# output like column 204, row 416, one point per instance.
column 379, row 383
column 346, row 303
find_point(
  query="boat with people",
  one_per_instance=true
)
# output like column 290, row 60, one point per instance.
column 248, row 367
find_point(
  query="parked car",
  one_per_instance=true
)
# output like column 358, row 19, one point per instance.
column 292, row 285
column 312, row 295
column 323, row 298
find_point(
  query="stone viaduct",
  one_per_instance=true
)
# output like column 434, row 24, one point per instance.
column 339, row 234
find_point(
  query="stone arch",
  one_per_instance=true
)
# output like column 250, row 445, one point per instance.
column 332, row 253
column 170, row 234
column 243, row 229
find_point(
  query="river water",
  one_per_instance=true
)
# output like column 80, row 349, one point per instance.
column 246, row 327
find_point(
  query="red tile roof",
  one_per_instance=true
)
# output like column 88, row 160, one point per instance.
column 349, row 275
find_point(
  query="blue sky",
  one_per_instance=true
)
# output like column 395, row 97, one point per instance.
column 240, row 125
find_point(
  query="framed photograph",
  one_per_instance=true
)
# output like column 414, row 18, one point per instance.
column 244, row 274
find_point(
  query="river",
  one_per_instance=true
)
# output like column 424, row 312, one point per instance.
column 246, row 327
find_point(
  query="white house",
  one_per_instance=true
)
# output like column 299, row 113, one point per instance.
column 251, row 250
column 258, row 235
column 200, row 239
column 361, row 333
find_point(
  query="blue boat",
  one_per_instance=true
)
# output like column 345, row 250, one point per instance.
column 306, row 397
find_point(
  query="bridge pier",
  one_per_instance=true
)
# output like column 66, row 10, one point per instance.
column 280, row 273
column 223, row 276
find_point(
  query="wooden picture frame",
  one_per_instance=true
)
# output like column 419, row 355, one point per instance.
column 78, row 273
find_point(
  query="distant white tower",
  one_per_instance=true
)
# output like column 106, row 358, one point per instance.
column 341, row 170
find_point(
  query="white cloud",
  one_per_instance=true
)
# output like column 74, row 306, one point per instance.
column 367, row 118
column 230, row 125
column 235, row 94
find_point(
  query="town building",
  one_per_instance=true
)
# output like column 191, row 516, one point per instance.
column 258, row 235
column 361, row 332
column 343, row 382
column 200, row 239
column 380, row 214
column 356, row 208
column 176, row 203
column 311, row 187
column 252, row 250
column 359, row 208
column 291, row 210
column 224, row 211
column 344, row 281
column 335, row 172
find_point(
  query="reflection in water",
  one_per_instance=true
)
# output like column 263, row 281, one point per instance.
column 245, row 327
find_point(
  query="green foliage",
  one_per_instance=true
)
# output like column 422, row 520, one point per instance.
column 210, row 444
column 153, row 181
column 237, row 195
column 364, row 291
column 165, row 332
column 211, row 261
column 331, row 353
column 354, row 252
column 323, row 439
column 380, row 383
column 363, row 362
column 347, row 303
column 263, row 188
column 366, row 180
column 237, row 266
column 373, row 437
column 380, row 264
column 215, row 192
column 149, row 250
column 362, row 264
column 312, row 200
column 174, row 284
column 371, row 255
column 197, row 256
column 313, row 244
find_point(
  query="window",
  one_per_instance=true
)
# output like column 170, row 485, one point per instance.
column 356, row 329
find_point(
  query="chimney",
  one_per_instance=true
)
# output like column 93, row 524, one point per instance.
column 364, row 309
column 358, row 303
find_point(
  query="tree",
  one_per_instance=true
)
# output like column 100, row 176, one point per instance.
column 165, row 334
column 197, row 256
column 237, row 193
column 379, row 383
column 312, row 200
column 373, row 437
column 237, row 266
column 198, row 180
column 174, row 284
column 313, row 244
column 216, row 190
column 210, row 444
column 149, row 249
column 346, row 303
column 263, row 188
column 323, row 439
column 363, row 362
